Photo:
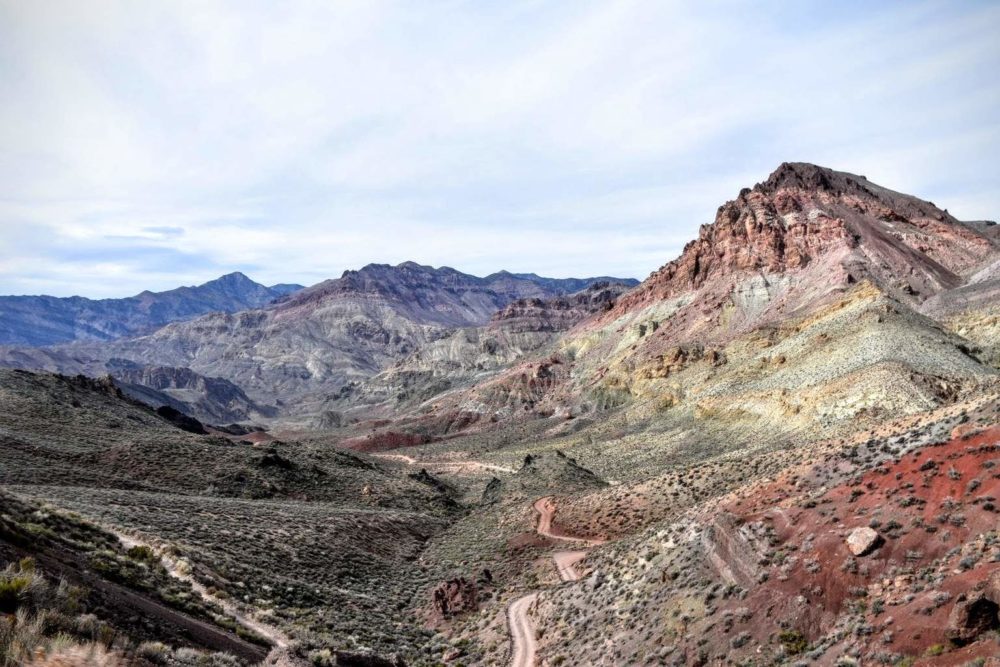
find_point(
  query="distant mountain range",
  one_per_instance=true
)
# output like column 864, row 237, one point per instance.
column 49, row 320
column 281, row 347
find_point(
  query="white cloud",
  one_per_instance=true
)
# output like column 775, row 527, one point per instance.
column 299, row 139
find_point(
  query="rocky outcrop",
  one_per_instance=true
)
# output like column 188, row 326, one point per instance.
column 803, row 212
column 733, row 550
column 180, row 420
column 559, row 313
column 977, row 613
column 454, row 597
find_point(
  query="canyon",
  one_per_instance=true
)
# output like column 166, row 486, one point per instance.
column 779, row 448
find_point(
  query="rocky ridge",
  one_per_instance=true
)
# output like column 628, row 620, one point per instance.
column 49, row 320
column 807, row 287
column 296, row 353
column 470, row 354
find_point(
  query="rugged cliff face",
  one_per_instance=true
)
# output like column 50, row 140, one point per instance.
column 803, row 214
column 560, row 313
column 468, row 355
column 799, row 306
column 210, row 399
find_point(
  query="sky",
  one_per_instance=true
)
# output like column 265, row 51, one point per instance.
column 146, row 145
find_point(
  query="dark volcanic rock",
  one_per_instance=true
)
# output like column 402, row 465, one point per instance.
column 493, row 492
column 971, row 617
column 181, row 420
column 430, row 480
column 239, row 429
column 272, row 459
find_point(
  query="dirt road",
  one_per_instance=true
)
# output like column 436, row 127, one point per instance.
column 546, row 509
column 565, row 560
column 522, row 631
column 178, row 571
column 444, row 465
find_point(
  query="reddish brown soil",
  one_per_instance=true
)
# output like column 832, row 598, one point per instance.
column 931, row 516
column 384, row 441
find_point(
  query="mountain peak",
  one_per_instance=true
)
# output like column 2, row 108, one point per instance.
column 807, row 176
column 414, row 266
column 234, row 278
column 805, row 215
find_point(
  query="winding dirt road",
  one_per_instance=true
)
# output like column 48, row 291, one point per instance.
column 522, row 631
column 565, row 560
column 546, row 509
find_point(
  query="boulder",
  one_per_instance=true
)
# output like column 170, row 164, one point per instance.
column 971, row 617
column 863, row 541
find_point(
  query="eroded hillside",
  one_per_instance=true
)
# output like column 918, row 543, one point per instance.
column 780, row 448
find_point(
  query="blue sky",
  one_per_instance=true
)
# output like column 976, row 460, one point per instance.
column 148, row 145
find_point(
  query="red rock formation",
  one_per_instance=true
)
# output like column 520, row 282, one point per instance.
column 455, row 596
column 560, row 313
column 934, row 517
column 803, row 212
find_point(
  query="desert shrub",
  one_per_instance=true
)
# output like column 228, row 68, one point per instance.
column 64, row 653
column 10, row 592
column 20, row 585
column 157, row 653
column 793, row 641
column 143, row 554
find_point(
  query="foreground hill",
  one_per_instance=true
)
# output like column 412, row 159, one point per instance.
column 306, row 533
column 48, row 320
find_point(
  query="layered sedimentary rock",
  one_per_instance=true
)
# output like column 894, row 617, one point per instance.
column 802, row 306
